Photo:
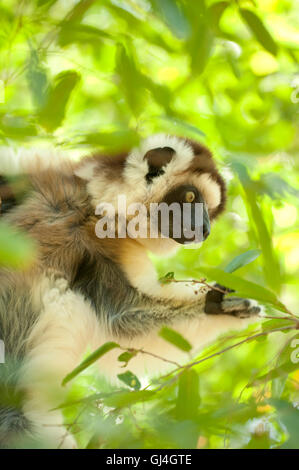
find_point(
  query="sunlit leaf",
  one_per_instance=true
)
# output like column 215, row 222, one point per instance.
column 47, row 3
column 122, row 399
column 275, row 186
column 91, row 359
column 128, row 74
column 81, row 33
column 215, row 12
column 201, row 41
column 289, row 416
column 276, row 323
column 271, row 266
column 126, row 356
column 141, row 28
column 242, row 260
column 175, row 338
column 17, row 126
column 282, row 370
column 168, row 277
column 185, row 126
column 112, row 141
column 53, row 113
column 171, row 12
column 79, row 10
column 38, row 79
column 130, row 379
column 188, row 395
column 17, row 250
column 259, row 30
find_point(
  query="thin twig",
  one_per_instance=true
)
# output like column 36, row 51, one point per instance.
column 198, row 281
column 228, row 348
column 142, row 351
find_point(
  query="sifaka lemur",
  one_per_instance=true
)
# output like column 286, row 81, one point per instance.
column 82, row 290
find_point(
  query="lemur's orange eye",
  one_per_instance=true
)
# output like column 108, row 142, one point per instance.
column 189, row 196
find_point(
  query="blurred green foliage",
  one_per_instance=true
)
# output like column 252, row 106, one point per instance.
column 89, row 74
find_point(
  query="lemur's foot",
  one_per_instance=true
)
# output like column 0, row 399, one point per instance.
column 217, row 303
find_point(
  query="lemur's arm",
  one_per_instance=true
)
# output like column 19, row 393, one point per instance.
column 127, row 311
column 145, row 314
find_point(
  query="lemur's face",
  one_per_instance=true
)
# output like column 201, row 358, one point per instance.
column 197, row 223
column 164, row 169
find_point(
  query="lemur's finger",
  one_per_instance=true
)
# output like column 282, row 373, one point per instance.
column 235, row 303
column 253, row 311
column 240, row 307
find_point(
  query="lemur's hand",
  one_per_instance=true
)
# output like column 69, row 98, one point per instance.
column 217, row 303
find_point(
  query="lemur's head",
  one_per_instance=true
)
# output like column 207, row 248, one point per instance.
column 163, row 169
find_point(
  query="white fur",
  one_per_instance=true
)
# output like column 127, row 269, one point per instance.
column 86, row 170
column 210, row 190
column 24, row 160
column 136, row 167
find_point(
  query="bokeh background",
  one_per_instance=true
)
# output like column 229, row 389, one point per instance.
column 98, row 75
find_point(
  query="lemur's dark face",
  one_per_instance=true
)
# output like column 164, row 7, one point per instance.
column 195, row 218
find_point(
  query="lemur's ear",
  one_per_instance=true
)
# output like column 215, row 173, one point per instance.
column 157, row 159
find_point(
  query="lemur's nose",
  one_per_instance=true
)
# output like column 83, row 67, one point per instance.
column 206, row 230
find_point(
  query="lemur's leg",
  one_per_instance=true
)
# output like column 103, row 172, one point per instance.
column 60, row 337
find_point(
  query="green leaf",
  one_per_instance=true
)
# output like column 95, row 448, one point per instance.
column 122, row 140
column 124, row 398
column 242, row 260
column 276, row 187
column 130, row 379
column 273, row 324
column 259, row 30
column 77, row 13
column 95, row 356
column 175, row 338
column 200, row 47
column 288, row 414
column 52, row 114
column 38, row 79
column 182, row 124
column 17, row 127
column 284, row 369
column 215, row 12
column 160, row 93
column 242, row 287
column 200, row 44
column 48, row 3
column 270, row 265
column 188, row 395
column 168, row 277
column 81, row 33
column 172, row 14
column 140, row 28
column 126, row 357
column 17, row 250
column 128, row 73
